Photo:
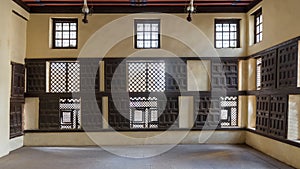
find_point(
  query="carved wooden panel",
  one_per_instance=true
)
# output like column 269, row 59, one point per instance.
column 36, row 76
column 115, row 68
column 176, row 75
column 268, row 70
column 278, row 116
column 224, row 75
column 89, row 75
column 287, row 65
column 49, row 112
column 91, row 108
column 16, row 124
column 262, row 114
column 207, row 111
column 18, row 80
column 119, row 112
column 169, row 113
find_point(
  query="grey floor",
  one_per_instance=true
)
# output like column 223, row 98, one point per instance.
column 179, row 157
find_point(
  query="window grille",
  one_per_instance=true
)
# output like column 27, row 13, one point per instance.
column 70, row 116
column 227, row 33
column 65, row 33
column 147, row 33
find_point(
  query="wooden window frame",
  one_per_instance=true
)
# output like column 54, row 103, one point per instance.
column 256, row 15
column 228, row 21
column 147, row 21
column 54, row 38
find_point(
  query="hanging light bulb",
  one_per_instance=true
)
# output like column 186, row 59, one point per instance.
column 85, row 11
column 190, row 9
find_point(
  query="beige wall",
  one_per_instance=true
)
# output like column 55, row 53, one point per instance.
column 102, row 36
column 12, row 48
column 279, row 23
column 4, row 76
column 281, row 151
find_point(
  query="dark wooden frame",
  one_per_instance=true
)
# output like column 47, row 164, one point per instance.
column 64, row 20
column 146, row 21
column 228, row 21
column 257, row 14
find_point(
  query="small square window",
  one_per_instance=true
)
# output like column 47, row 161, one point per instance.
column 227, row 33
column 147, row 33
column 65, row 33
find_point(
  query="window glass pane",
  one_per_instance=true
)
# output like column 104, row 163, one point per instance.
column 226, row 35
column 261, row 18
column 58, row 26
column 72, row 43
column 154, row 35
column 73, row 27
column 218, row 27
column 260, row 28
column 147, row 44
column 140, row 27
column 66, row 26
column 233, row 44
column 219, row 36
column 257, row 38
column 225, row 27
column 218, row 44
column 73, row 35
column 147, row 35
column 66, row 35
column 140, row 35
column 225, row 44
column 232, row 27
column 257, row 21
column 58, row 35
column 58, row 43
column 154, row 27
column 260, row 37
column 233, row 35
column 140, row 44
column 66, row 43
column 154, row 44
column 147, row 27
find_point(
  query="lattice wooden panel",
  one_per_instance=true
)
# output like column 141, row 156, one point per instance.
column 278, row 116
column 287, row 65
column 89, row 75
column 170, row 112
column 268, row 70
column 176, row 75
column 70, row 113
column 16, row 125
column 36, row 76
column 49, row 113
column 143, row 112
column 225, row 75
column 262, row 114
column 119, row 76
column 229, row 111
column 119, row 112
column 91, row 108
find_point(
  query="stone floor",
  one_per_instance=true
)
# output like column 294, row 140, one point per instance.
column 140, row 157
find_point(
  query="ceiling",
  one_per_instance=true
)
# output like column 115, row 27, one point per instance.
column 133, row 6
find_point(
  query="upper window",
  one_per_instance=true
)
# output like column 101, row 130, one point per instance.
column 65, row 33
column 227, row 33
column 258, row 25
column 147, row 33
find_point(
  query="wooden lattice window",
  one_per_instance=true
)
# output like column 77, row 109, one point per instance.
column 227, row 33
column 146, row 76
column 143, row 112
column 147, row 33
column 258, row 25
column 258, row 73
column 64, row 77
column 229, row 111
column 65, row 33
column 70, row 116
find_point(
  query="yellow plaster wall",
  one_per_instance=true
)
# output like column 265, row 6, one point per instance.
column 280, row 23
column 114, row 36
column 281, row 151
